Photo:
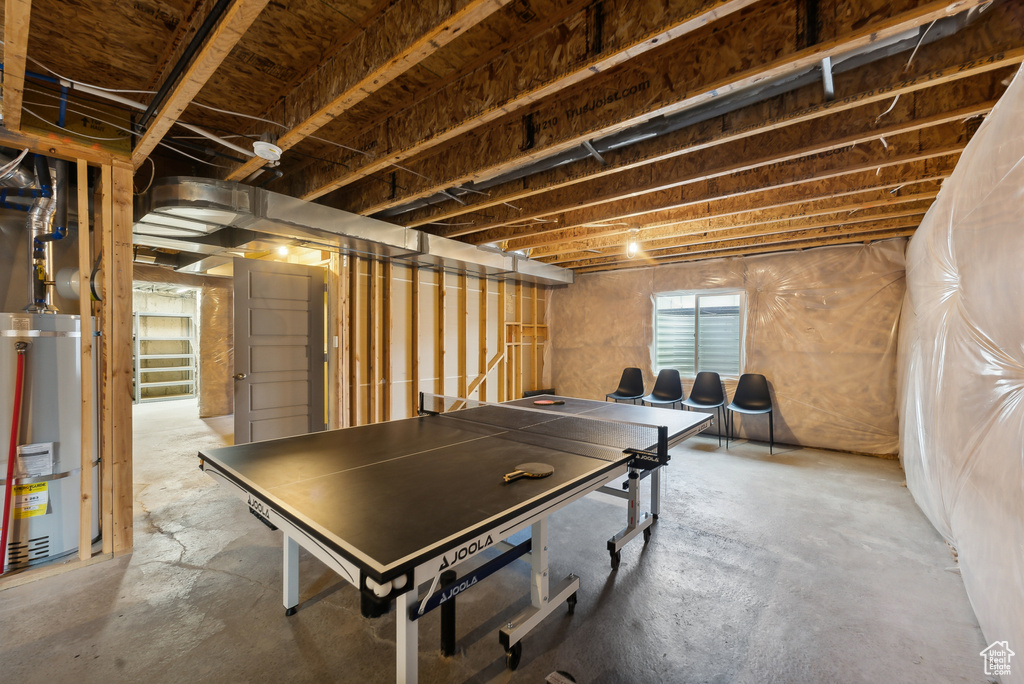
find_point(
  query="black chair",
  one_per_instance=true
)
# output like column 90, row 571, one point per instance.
column 631, row 386
column 668, row 389
column 752, row 397
column 707, row 393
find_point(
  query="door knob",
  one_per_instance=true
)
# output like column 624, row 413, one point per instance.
column 239, row 376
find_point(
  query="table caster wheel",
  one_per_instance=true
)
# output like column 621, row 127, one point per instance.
column 616, row 557
column 571, row 603
column 513, row 655
column 647, row 534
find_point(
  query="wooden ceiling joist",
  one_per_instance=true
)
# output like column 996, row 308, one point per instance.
column 874, row 157
column 17, row 14
column 721, row 216
column 667, row 81
column 808, row 241
column 983, row 47
column 536, row 69
column 807, row 140
column 230, row 29
column 891, row 177
column 689, row 235
column 764, row 233
column 402, row 36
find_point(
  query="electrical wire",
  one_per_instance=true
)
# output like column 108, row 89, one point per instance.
column 152, row 175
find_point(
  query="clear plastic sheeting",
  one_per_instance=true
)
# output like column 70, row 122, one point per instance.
column 820, row 325
column 216, row 351
column 962, row 370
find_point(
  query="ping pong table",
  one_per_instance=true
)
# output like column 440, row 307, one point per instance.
column 393, row 507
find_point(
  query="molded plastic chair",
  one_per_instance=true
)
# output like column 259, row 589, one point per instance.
column 631, row 386
column 752, row 397
column 707, row 393
column 668, row 389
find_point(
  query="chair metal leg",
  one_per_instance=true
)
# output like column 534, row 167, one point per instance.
column 771, row 432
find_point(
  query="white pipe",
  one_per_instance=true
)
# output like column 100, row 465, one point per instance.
column 138, row 105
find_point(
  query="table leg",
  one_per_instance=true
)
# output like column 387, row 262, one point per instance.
column 656, row 492
column 539, row 563
column 291, row 575
column 407, row 639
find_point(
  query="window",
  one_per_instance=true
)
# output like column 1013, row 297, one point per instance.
column 698, row 331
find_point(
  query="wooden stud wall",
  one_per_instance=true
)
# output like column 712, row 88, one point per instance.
column 408, row 330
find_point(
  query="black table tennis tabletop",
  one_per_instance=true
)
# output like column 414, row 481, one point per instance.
column 392, row 504
column 387, row 494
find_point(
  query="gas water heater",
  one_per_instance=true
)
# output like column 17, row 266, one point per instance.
column 48, row 467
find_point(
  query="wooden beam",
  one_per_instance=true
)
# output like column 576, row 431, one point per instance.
column 87, row 451
column 414, row 338
column 855, row 206
column 387, row 376
column 665, row 82
column 590, row 41
column 517, row 352
column 797, row 174
column 781, row 203
column 481, row 378
column 439, row 344
column 17, row 14
column 116, row 406
column 649, row 243
column 535, row 321
column 357, row 328
column 482, row 339
column 373, row 355
column 337, row 371
column 923, row 97
column 401, row 37
column 232, row 26
column 502, row 341
column 795, row 231
column 815, row 140
column 463, row 333
column 841, row 239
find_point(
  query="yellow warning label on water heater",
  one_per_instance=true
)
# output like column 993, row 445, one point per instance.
column 30, row 499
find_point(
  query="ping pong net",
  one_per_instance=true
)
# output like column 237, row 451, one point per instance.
column 588, row 436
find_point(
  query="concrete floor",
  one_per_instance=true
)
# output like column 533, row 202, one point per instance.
column 805, row 566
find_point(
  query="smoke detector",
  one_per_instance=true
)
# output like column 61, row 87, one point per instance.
column 267, row 150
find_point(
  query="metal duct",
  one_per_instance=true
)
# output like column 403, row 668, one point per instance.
column 214, row 217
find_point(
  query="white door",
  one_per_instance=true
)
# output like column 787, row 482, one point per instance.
column 279, row 349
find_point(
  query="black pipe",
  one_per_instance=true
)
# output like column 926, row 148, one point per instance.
column 183, row 61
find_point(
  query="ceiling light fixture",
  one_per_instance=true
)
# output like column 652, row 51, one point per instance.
column 633, row 245
column 282, row 251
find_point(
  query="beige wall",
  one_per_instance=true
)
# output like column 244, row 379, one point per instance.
column 820, row 325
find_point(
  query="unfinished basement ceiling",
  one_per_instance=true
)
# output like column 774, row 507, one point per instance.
column 700, row 128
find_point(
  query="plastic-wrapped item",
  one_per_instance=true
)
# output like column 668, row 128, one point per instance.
column 216, row 351
column 962, row 370
column 820, row 325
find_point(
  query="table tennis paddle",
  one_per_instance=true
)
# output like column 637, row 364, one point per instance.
column 531, row 470
column 549, row 402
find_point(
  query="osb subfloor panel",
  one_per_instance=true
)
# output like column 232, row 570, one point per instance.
column 805, row 566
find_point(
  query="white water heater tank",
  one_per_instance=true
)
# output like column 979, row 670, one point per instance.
column 48, row 467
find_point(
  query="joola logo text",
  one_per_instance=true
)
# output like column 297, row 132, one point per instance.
column 466, row 551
